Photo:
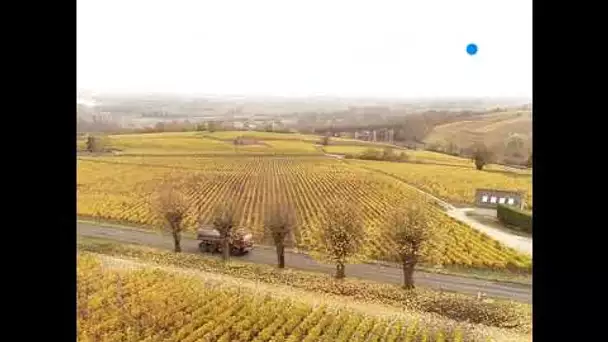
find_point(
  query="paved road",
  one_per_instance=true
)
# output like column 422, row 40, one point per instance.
column 266, row 255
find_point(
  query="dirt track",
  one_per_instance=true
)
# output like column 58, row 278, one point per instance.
column 519, row 242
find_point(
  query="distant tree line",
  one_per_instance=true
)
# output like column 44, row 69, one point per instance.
column 412, row 127
column 95, row 125
column 180, row 126
column 386, row 154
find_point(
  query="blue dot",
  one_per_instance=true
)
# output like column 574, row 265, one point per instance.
column 471, row 49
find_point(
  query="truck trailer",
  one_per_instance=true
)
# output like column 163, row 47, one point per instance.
column 240, row 242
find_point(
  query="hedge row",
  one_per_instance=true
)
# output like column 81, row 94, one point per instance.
column 515, row 217
column 388, row 154
column 505, row 314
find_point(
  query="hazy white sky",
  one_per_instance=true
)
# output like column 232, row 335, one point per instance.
column 400, row 48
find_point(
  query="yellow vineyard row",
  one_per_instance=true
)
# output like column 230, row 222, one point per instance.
column 453, row 183
column 112, row 188
column 157, row 306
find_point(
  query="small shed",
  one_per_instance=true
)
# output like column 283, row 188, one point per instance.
column 490, row 198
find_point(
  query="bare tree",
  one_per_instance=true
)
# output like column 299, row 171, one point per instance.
column 342, row 235
column 225, row 221
column 410, row 230
column 170, row 201
column 93, row 144
column 513, row 145
column 325, row 140
column 371, row 153
column 238, row 141
column 279, row 222
column 481, row 156
column 160, row 127
column 388, row 153
column 452, row 148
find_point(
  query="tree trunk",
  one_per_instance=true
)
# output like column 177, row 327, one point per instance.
column 226, row 249
column 177, row 241
column 408, row 272
column 281, row 255
column 340, row 270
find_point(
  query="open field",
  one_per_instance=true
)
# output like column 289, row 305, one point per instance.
column 263, row 143
column 418, row 156
column 454, row 184
column 169, row 141
column 114, row 188
column 293, row 146
column 219, row 143
column 80, row 143
column 209, row 143
column 122, row 299
column 421, row 157
column 229, row 135
column 439, row 158
column 267, row 136
column 222, row 142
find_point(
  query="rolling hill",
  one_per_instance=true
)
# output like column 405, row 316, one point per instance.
column 491, row 129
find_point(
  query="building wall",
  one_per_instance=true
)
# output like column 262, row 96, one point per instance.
column 490, row 198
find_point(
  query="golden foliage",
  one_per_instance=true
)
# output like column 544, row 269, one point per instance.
column 410, row 229
column 114, row 188
column 279, row 222
column 157, row 306
column 169, row 200
column 343, row 233
column 454, row 306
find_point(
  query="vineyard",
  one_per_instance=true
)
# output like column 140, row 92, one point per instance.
column 417, row 156
column 266, row 136
column 80, row 144
column 452, row 306
column 456, row 185
column 266, row 143
column 414, row 156
column 115, row 188
column 155, row 305
column 209, row 143
column 309, row 138
column 223, row 143
column 176, row 142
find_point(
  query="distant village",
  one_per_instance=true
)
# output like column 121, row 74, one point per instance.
column 163, row 121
